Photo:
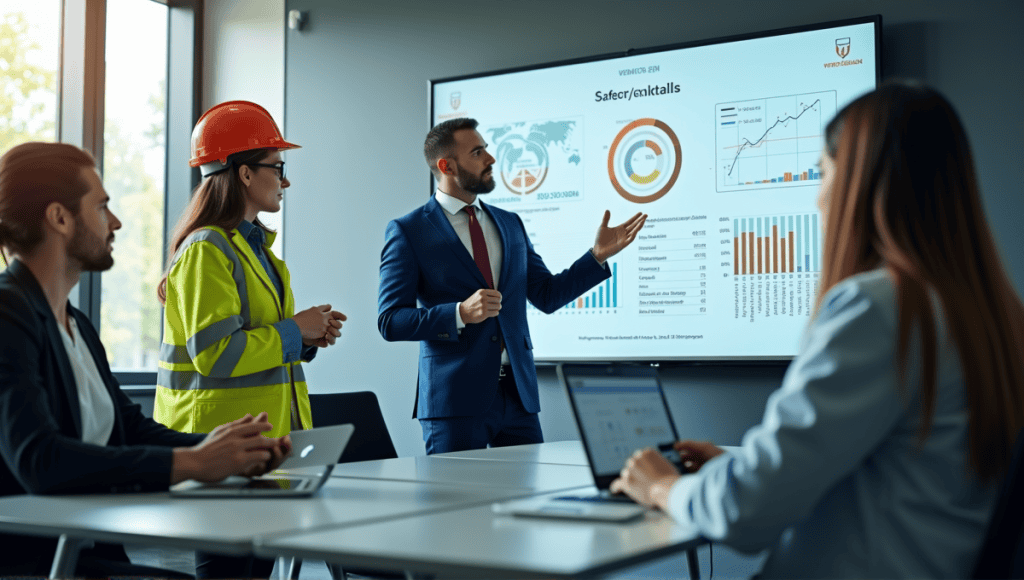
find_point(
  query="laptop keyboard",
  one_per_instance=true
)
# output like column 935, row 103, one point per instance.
column 601, row 498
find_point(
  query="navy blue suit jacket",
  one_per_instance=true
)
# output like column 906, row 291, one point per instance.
column 424, row 261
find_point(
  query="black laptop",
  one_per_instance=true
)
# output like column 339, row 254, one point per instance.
column 618, row 409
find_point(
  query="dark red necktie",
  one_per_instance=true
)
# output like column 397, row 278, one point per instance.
column 476, row 234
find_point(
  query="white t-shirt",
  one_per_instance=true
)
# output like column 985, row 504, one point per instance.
column 97, row 408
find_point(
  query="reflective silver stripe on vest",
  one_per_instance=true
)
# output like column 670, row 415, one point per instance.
column 192, row 380
column 229, row 357
column 222, row 367
column 222, row 244
column 212, row 334
column 176, row 355
column 225, row 364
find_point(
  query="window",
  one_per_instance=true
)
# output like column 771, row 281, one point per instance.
column 64, row 66
column 29, row 57
column 134, row 159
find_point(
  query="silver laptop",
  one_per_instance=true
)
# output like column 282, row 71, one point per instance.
column 315, row 451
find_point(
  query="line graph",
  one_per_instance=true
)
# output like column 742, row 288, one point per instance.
column 746, row 143
column 771, row 142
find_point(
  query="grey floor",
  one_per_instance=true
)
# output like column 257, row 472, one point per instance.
column 727, row 564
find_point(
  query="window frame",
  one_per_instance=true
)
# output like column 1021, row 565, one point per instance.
column 80, row 118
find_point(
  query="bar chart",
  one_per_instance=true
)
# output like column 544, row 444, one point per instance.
column 602, row 299
column 776, row 263
column 606, row 295
column 776, row 244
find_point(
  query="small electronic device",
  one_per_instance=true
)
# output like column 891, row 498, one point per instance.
column 571, row 510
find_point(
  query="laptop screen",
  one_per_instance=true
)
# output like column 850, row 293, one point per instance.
column 618, row 410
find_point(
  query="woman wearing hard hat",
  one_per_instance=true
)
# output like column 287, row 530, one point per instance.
column 232, row 341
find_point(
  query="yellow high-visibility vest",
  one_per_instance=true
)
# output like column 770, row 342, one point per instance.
column 221, row 357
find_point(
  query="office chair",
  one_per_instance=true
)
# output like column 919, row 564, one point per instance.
column 1002, row 552
column 370, row 441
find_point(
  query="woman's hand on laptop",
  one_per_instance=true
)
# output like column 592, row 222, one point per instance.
column 647, row 478
column 234, row 448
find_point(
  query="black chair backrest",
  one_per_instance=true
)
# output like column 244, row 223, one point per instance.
column 1002, row 552
column 371, row 439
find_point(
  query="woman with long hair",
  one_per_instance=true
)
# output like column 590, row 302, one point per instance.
column 233, row 343
column 881, row 454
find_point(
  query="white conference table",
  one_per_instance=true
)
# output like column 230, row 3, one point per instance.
column 349, row 521
column 558, row 452
column 526, row 475
column 475, row 542
column 229, row 525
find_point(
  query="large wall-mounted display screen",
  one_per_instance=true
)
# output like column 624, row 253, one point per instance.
column 718, row 142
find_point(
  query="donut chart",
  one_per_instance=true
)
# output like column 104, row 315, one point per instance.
column 644, row 160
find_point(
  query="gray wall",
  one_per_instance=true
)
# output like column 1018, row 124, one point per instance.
column 356, row 98
column 245, row 27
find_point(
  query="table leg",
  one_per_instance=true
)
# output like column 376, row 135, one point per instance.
column 66, row 557
column 693, row 564
column 285, row 568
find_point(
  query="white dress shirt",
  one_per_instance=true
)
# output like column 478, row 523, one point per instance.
column 459, row 219
column 94, row 402
column 833, row 477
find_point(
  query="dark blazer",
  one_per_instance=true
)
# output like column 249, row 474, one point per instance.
column 424, row 260
column 40, row 420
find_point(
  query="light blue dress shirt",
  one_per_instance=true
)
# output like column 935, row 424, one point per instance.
column 833, row 480
column 291, row 336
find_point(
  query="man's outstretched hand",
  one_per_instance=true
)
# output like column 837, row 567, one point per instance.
column 611, row 241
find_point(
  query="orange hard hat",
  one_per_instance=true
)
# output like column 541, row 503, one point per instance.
column 229, row 128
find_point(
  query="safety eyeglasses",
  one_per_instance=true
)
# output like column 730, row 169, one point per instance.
column 278, row 166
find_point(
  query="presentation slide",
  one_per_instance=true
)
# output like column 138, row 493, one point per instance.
column 719, row 144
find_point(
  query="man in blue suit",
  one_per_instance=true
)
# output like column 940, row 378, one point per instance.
column 455, row 275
